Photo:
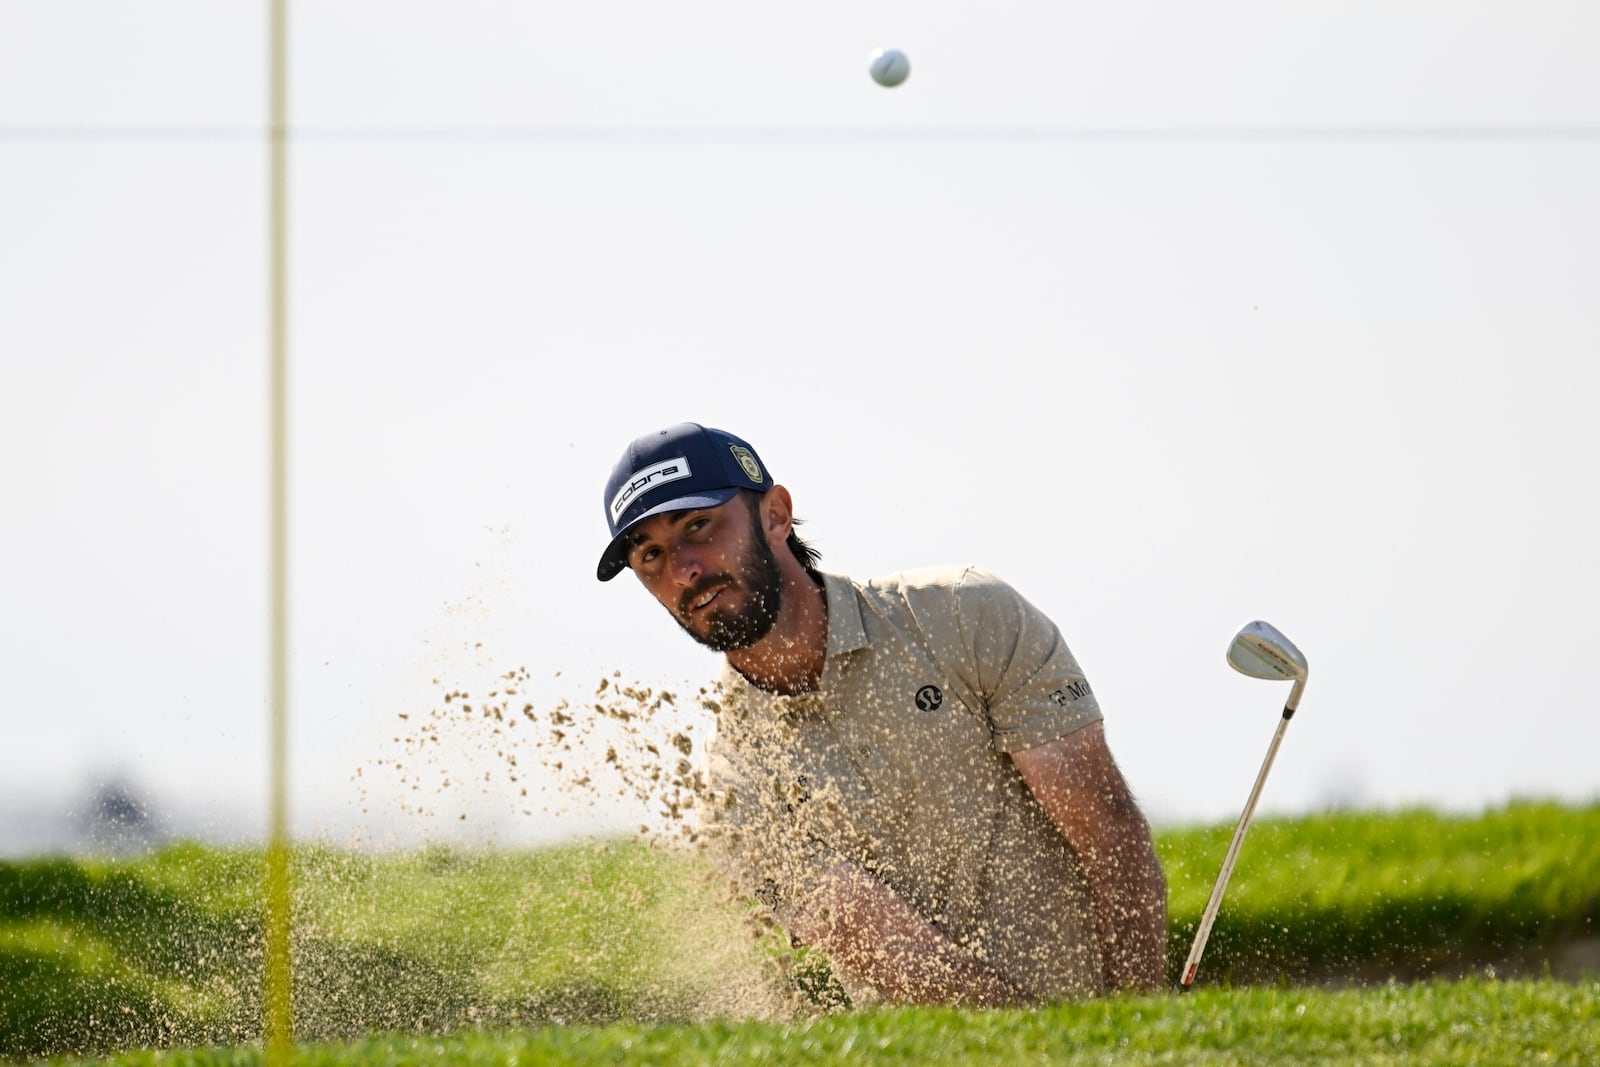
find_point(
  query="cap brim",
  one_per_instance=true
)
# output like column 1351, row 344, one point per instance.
column 615, row 558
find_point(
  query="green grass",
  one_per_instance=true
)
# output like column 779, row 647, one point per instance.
column 1388, row 895
column 164, row 952
column 1439, row 1024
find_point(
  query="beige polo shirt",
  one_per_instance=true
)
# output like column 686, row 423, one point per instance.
column 898, row 762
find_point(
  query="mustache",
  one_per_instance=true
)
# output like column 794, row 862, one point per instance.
column 701, row 588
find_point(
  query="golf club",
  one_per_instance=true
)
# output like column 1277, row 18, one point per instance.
column 1259, row 651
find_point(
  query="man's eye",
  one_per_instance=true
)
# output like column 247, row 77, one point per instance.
column 648, row 554
column 694, row 525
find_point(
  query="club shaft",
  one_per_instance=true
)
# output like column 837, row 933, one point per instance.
column 1193, row 963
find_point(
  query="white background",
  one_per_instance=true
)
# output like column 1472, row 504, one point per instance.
column 1175, row 316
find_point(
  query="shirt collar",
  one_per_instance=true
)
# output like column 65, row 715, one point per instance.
column 846, row 631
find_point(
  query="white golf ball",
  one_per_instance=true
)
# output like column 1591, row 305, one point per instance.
column 890, row 67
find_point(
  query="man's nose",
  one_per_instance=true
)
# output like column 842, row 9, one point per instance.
column 687, row 566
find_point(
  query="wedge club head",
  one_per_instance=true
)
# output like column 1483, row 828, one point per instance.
column 1261, row 651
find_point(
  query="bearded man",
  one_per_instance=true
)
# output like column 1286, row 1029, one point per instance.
column 910, row 772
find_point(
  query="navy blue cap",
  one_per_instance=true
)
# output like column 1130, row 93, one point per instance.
column 682, row 467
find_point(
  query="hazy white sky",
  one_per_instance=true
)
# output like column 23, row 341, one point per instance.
column 1174, row 315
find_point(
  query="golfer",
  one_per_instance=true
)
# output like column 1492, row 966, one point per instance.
column 909, row 772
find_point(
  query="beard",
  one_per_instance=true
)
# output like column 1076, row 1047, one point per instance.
column 762, row 583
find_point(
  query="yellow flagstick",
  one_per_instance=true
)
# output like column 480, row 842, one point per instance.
column 276, row 983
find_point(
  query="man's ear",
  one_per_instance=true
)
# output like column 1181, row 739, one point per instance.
column 777, row 515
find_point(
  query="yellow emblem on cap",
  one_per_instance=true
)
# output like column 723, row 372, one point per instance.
column 747, row 461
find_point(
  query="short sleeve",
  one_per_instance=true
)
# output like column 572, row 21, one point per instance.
column 1017, row 665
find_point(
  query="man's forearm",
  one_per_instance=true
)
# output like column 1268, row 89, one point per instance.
column 1076, row 781
column 1130, row 908
column 871, row 932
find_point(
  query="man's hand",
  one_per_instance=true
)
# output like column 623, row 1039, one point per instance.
column 1077, row 783
column 870, row 931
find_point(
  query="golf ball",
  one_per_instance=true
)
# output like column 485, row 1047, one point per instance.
column 890, row 67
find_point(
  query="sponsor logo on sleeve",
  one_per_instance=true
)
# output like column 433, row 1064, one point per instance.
column 647, row 478
column 1068, row 693
column 929, row 697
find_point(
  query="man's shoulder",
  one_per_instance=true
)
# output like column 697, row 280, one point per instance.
column 936, row 600
column 945, row 580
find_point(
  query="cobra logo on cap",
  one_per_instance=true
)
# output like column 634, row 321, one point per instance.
column 668, row 470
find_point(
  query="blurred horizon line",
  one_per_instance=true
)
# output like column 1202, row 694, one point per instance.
column 607, row 133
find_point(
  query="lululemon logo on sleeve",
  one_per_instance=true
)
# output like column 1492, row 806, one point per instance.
column 929, row 697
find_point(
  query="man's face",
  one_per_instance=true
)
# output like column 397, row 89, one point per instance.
column 713, row 570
